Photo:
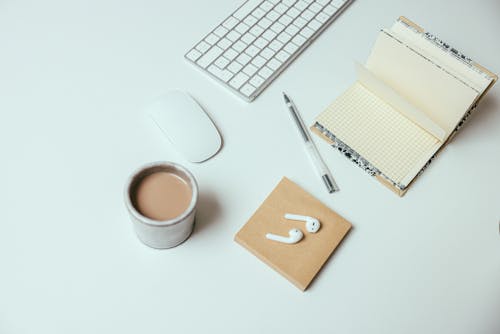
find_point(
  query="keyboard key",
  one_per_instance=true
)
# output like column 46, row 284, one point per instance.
column 239, row 46
column 250, row 69
column 193, row 55
column 301, row 5
column 266, row 6
column 338, row 3
column 252, row 51
column 245, row 9
column 329, row 10
column 212, row 39
column 224, row 43
column 277, row 27
column 256, row 30
column 230, row 54
column 209, row 57
column 323, row 2
column 274, row 64
column 275, row 45
column 221, row 62
column 241, row 28
column 250, row 20
column 290, row 48
column 289, row 2
column 260, row 43
column 282, row 56
column 299, row 40
column 214, row 70
column 293, row 13
column 243, row 59
column 269, row 35
column 230, row 22
column 258, row 13
column 322, row 17
column 258, row 61
column 292, row 30
column 285, row 19
column 315, row 8
column 307, row 32
column 235, row 67
column 220, row 31
column 247, row 90
column 300, row 22
column 224, row 75
column 265, row 73
column 267, row 53
column 257, row 81
column 307, row 15
column 248, row 38
column 203, row 46
column 265, row 23
column 233, row 35
column 314, row 24
column 272, row 15
column 284, row 37
column 238, row 80
column 280, row 8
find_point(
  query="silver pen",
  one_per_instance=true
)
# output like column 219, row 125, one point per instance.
column 314, row 156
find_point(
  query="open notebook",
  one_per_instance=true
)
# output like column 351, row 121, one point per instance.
column 410, row 98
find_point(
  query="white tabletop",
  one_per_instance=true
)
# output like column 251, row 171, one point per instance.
column 74, row 76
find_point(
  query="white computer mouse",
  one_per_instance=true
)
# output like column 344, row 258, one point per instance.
column 186, row 125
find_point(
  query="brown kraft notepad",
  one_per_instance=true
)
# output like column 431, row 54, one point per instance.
column 299, row 262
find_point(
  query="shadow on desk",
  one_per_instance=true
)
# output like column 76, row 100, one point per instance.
column 207, row 211
column 480, row 121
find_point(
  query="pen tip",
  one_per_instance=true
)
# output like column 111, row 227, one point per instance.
column 286, row 97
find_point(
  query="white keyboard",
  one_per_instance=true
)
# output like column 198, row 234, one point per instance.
column 250, row 48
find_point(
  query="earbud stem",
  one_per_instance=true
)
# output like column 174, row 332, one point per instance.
column 292, row 216
column 291, row 239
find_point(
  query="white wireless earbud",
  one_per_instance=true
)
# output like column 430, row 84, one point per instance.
column 294, row 236
column 312, row 224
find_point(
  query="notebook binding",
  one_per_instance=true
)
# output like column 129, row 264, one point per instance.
column 354, row 156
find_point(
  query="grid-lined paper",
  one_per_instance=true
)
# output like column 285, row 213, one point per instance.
column 380, row 134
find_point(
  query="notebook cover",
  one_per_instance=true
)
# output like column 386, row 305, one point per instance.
column 299, row 262
column 366, row 165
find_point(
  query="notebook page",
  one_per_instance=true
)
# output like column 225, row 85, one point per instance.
column 380, row 134
column 444, row 98
column 451, row 62
column 386, row 93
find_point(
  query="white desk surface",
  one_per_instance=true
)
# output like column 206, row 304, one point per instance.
column 73, row 78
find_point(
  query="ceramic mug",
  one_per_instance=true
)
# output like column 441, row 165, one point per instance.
column 157, row 233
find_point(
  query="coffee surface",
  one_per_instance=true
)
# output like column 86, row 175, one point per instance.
column 162, row 196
